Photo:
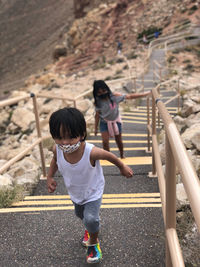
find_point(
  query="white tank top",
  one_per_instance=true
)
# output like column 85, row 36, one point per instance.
column 84, row 182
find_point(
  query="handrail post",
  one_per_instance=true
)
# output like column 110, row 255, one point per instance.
column 158, row 111
column 39, row 134
column 170, row 174
column 153, row 133
column 148, row 122
column 178, row 94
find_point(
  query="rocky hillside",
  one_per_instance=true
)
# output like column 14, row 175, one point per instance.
column 30, row 30
column 94, row 37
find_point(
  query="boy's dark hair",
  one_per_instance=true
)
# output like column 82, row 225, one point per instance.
column 67, row 121
column 100, row 84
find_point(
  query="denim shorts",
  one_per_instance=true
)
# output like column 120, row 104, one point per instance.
column 104, row 127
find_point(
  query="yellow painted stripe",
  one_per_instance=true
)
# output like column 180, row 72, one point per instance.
column 47, row 197
column 137, row 122
column 69, row 202
column 134, row 118
column 166, row 97
column 130, row 161
column 144, row 107
column 142, row 113
column 41, row 202
column 125, row 195
column 128, row 148
column 124, row 141
column 156, row 194
column 125, row 135
column 136, row 112
column 168, row 108
column 34, row 209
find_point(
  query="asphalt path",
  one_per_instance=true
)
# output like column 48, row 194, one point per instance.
column 43, row 230
column 129, row 235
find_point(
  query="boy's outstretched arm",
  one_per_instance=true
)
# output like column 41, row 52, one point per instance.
column 101, row 154
column 51, row 183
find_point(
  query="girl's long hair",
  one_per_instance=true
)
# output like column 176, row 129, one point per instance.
column 100, row 84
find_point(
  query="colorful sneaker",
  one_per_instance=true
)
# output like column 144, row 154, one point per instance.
column 94, row 253
column 85, row 239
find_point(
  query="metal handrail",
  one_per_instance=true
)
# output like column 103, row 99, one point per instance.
column 178, row 39
column 13, row 101
column 22, row 154
column 174, row 38
column 176, row 156
column 40, row 139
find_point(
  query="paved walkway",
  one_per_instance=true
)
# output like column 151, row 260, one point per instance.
column 43, row 231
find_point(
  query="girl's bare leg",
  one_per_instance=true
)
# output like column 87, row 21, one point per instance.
column 118, row 139
column 105, row 140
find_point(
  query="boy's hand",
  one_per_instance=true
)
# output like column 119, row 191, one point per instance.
column 51, row 185
column 126, row 171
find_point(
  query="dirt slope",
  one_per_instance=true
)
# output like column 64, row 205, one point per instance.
column 29, row 30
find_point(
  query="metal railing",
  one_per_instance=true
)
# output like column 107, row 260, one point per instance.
column 175, row 41
column 162, row 39
column 176, row 156
column 37, row 142
column 155, row 43
column 40, row 138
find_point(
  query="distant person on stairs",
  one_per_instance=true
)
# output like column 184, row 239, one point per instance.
column 145, row 41
column 79, row 163
column 119, row 47
column 156, row 34
column 107, row 115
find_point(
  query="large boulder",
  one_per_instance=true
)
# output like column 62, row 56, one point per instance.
column 6, row 181
column 191, row 134
column 84, row 105
column 181, row 195
column 23, row 118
